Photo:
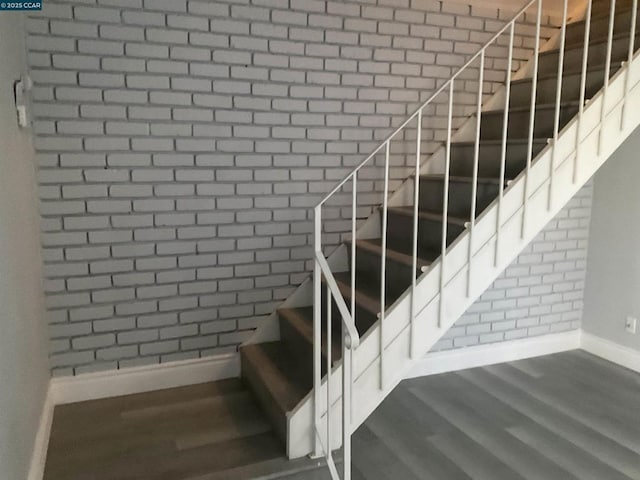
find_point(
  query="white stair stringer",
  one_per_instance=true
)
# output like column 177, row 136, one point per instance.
column 487, row 261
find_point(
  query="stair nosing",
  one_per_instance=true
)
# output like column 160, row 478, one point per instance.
column 592, row 42
column 553, row 76
column 392, row 254
column 620, row 11
column 304, row 328
column 461, row 178
column 428, row 215
column 498, row 142
column 526, row 108
column 359, row 293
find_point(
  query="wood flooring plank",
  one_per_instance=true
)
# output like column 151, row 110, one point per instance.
column 404, row 410
column 409, row 444
column 472, row 458
column 571, row 405
column 613, row 387
column 518, row 456
column 589, row 439
column 605, row 367
column 564, row 453
column 374, row 460
column 457, row 388
column 564, row 416
column 155, row 436
column 94, row 410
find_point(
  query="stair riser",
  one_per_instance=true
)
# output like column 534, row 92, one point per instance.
column 547, row 88
column 600, row 25
column 302, row 349
column 266, row 400
column 432, row 197
column 601, row 8
column 489, row 160
column 398, row 275
column 364, row 318
column 400, row 233
column 298, row 345
column 597, row 56
column 491, row 128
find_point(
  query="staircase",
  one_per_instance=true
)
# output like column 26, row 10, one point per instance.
column 434, row 246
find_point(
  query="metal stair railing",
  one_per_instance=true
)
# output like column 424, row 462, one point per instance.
column 323, row 443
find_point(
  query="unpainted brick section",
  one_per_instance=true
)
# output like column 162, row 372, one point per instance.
column 181, row 144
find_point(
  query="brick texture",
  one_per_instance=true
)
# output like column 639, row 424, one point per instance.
column 181, row 144
column 541, row 292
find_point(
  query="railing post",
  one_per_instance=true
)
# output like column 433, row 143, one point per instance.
column 583, row 89
column 383, row 269
column 556, row 123
column 317, row 330
column 445, row 208
column 607, row 70
column 354, row 196
column 328, row 446
column 532, row 119
column 632, row 39
column 476, row 162
column 347, row 380
column 416, row 206
column 503, row 155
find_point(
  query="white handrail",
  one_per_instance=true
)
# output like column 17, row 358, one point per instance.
column 442, row 88
column 347, row 319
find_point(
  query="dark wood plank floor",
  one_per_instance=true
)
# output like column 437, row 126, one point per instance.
column 203, row 432
column 564, row 416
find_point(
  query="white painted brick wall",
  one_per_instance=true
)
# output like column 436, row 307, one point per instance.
column 181, row 144
column 541, row 292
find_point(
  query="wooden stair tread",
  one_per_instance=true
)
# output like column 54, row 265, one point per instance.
column 425, row 215
column 527, row 108
column 301, row 319
column 510, row 141
column 601, row 15
column 592, row 42
column 462, row 179
column 566, row 73
column 367, row 296
column 272, row 362
column 374, row 245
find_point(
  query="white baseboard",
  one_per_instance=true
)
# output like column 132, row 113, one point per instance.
column 619, row 354
column 481, row 355
column 127, row 381
column 41, row 443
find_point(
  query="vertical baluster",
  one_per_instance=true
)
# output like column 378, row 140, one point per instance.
column 583, row 89
column 328, row 452
column 317, row 329
column 383, row 268
column 532, row 119
column 346, row 406
column 346, row 354
column 503, row 154
column 607, row 69
column 632, row 38
column 414, row 265
column 445, row 209
column 556, row 122
column 354, row 196
column 476, row 162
